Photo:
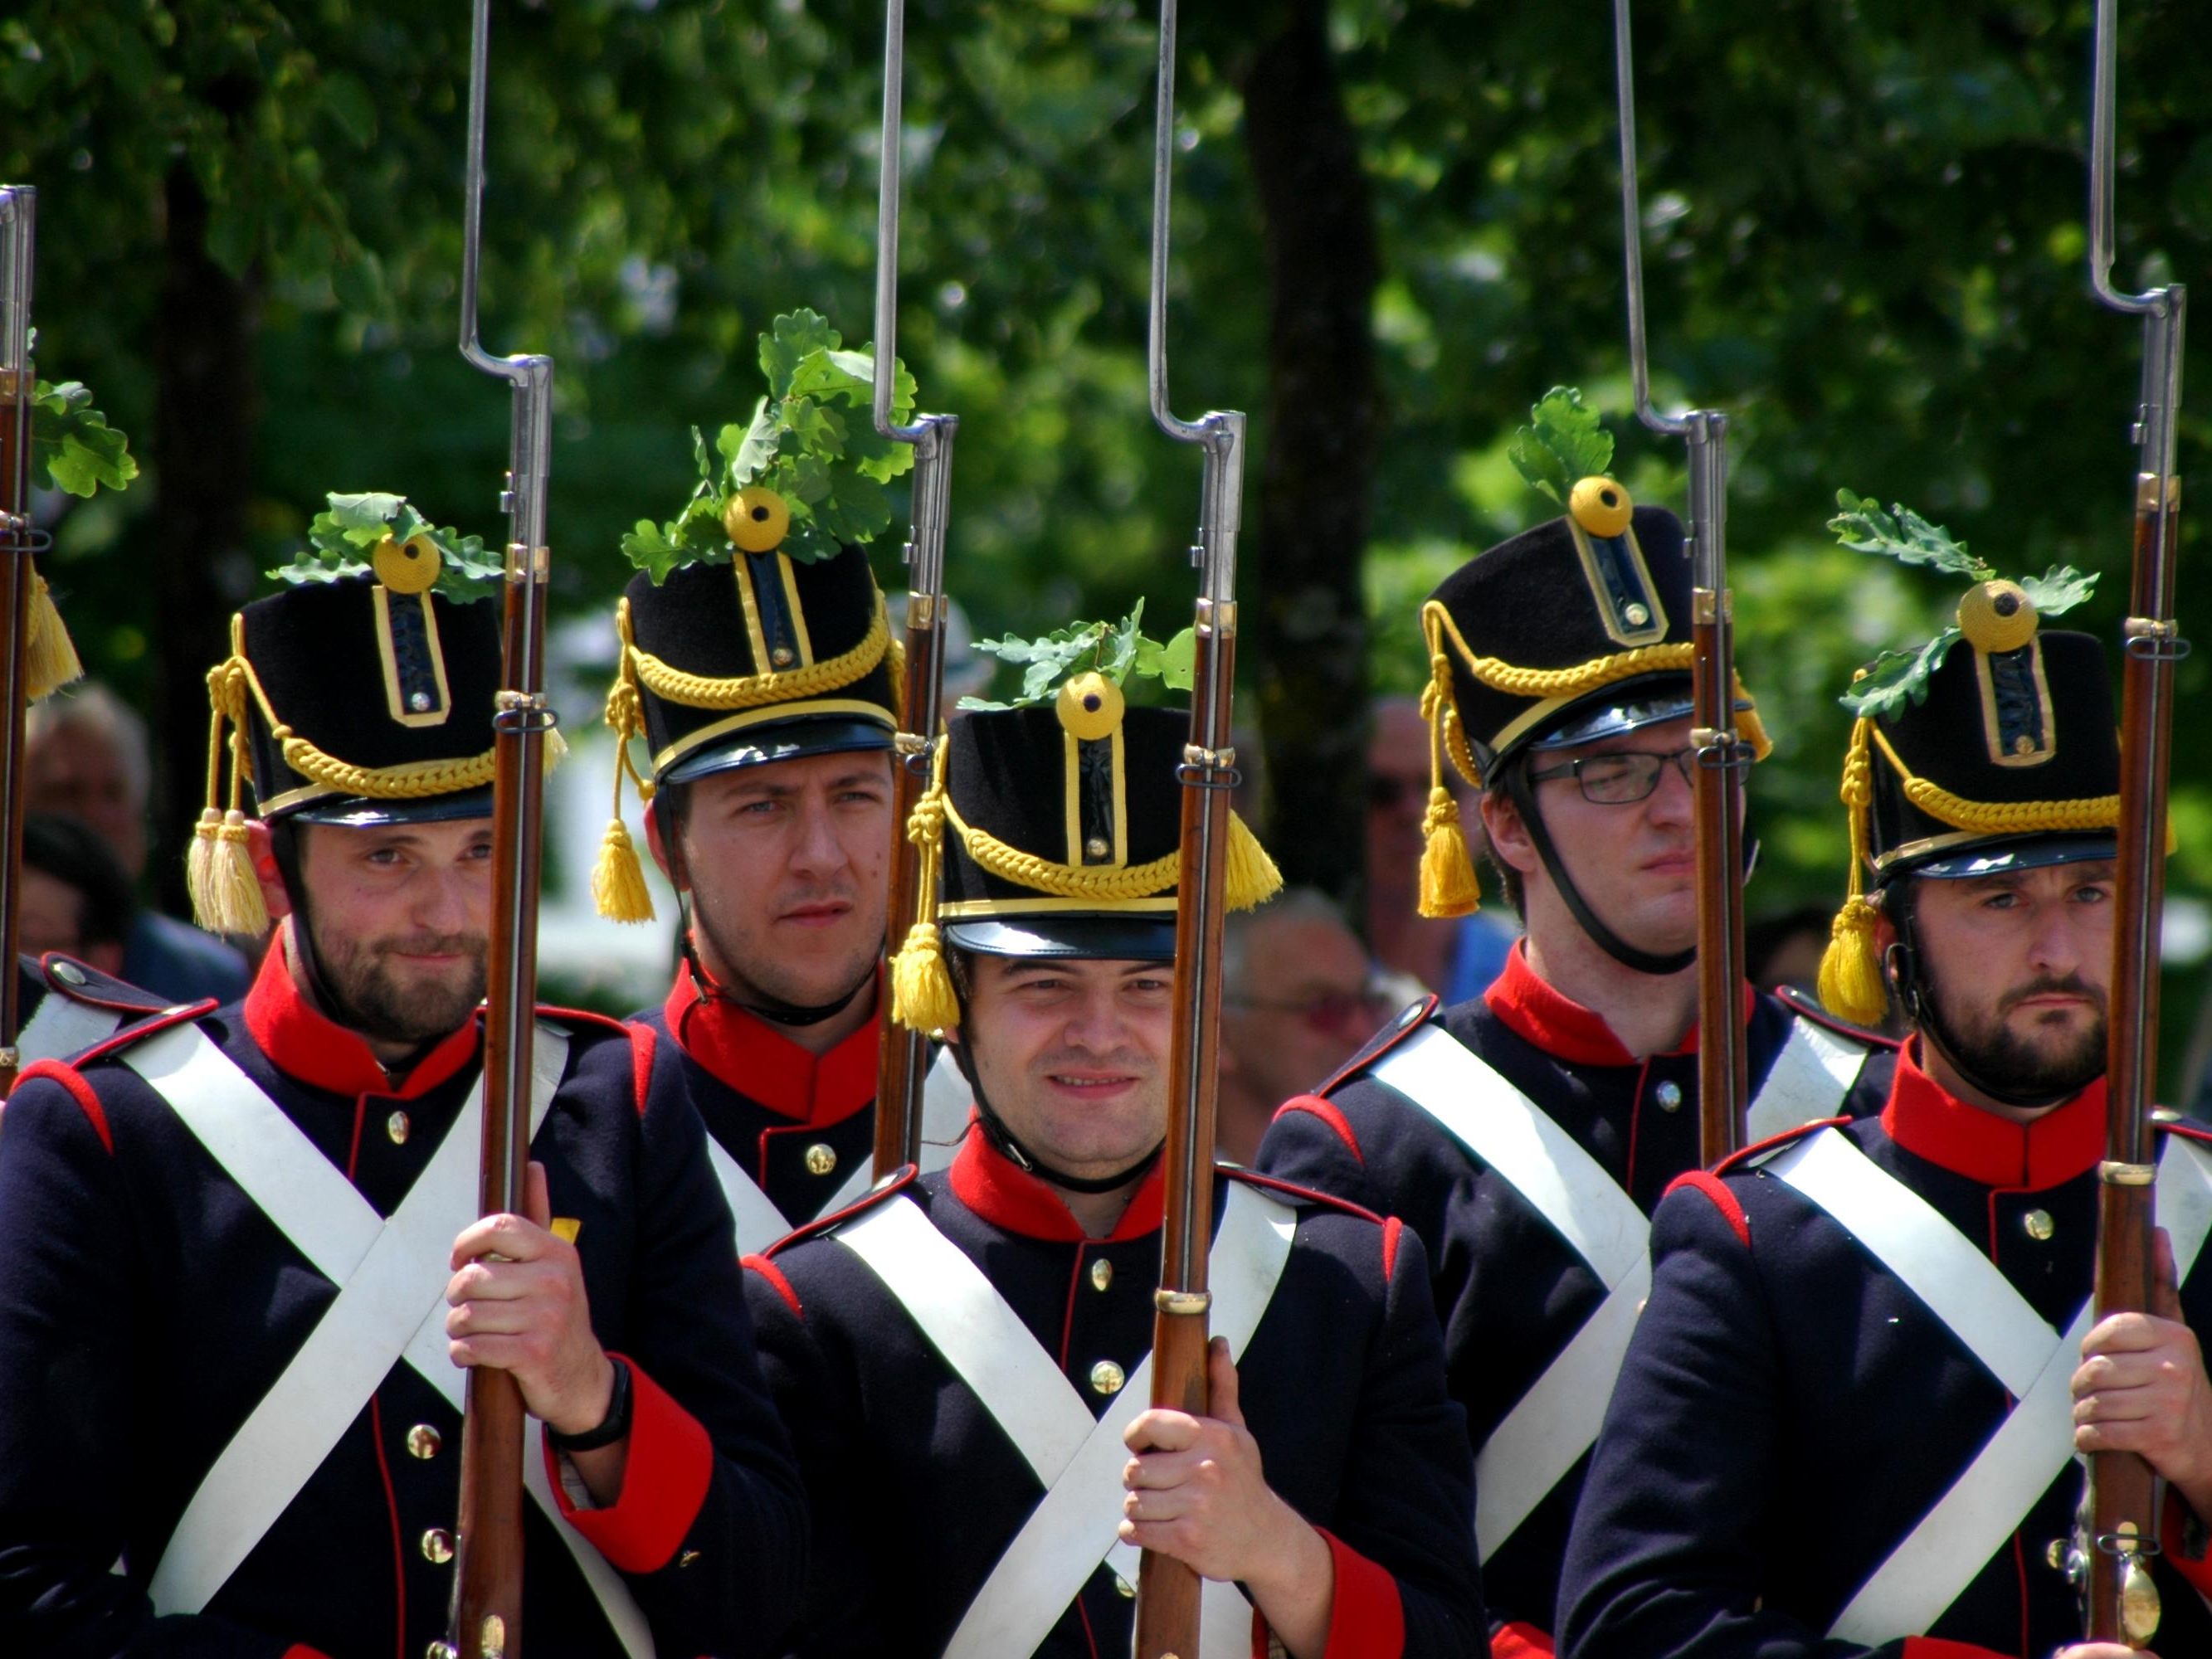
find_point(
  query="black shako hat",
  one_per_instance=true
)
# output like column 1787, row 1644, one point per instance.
column 347, row 701
column 2010, row 761
column 1057, row 832
column 1575, row 629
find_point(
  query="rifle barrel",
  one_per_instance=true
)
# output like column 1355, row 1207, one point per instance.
column 18, row 247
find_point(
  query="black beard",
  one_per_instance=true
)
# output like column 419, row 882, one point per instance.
column 2009, row 1067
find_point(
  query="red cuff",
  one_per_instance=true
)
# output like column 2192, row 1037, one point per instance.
column 1932, row 1647
column 671, row 1465
column 2198, row 1573
column 1518, row 1641
column 1366, row 1618
column 302, row 1651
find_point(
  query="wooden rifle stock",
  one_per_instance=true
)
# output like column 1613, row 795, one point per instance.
column 1724, row 1083
column 2125, row 1495
column 486, row 1617
column 902, row 1058
column 18, row 241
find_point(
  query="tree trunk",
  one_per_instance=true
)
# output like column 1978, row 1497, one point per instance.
column 206, row 404
column 1306, row 625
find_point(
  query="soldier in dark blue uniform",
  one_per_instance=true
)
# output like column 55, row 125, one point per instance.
column 964, row 1359
column 240, row 1263
column 1846, row 1424
column 1526, row 1136
column 764, row 687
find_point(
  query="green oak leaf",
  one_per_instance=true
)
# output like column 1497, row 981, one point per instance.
column 1179, row 661
column 2058, row 590
column 1894, row 676
column 73, row 448
column 790, row 339
column 1903, row 535
column 1561, row 444
column 341, row 538
column 1120, row 651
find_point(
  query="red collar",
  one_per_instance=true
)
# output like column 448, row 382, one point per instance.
column 988, row 1183
column 1536, row 1012
column 1929, row 1121
column 303, row 1043
column 761, row 1063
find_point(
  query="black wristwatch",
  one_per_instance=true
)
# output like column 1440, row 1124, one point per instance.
column 611, row 1428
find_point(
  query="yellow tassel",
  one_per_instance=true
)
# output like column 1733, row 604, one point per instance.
column 1448, row 887
column 1750, row 727
column 50, row 661
column 1852, row 984
column 618, row 879
column 921, row 985
column 1251, row 877
column 556, row 750
column 226, row 894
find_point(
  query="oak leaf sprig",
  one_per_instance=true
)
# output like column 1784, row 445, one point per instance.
column 1120, row 651
column 1561, row 444
column 344, row 536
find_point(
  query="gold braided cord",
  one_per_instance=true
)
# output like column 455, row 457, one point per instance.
column 2013, row 817
column 1107, row 882
column 1589, row 675
column 755, row 690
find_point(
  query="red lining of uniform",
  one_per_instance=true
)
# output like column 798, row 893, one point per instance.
column 2194, row 1131
column 641, row 1039
column 1635, row 1120
column 89, row 992
column 1068, row 1322
column 80, row 1090
column 1806, row 1009
column 768, row 1270
column 1391, row 1228
column 145, row 1028
column 392, row 1509
column 1736, row 1160
column 901, row 1178
column 302, row 1651
column 1327, row 1112
column 671, row 1464
column 761, row 1063
column 1928, row 1121
column 2198, row 1573
column 303, row 1043
column 1937, row 1647
column 1367, row 1617
column 1404, row 1024
column 1519, row 1641
column 988, row 1183
column 1723, row 1201
column 1303, row 1194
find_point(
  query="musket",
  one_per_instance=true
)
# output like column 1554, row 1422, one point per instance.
column 902, row 1060
column 1724, row 756
column 19, row 541
column 1167, row 1589
column 486, row 1620
column 2122, row 1503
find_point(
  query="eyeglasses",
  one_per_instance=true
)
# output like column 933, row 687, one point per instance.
column 1621, row 778
column 1327, row 1010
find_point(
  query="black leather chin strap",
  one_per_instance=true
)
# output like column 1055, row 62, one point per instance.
column 1523, row 796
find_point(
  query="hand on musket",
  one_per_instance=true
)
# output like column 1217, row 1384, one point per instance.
column 2142, row 1387
column 1196, row 1492
column 519, row 1306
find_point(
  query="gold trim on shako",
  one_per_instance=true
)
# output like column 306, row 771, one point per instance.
column 1621, row 624
column 797, row 612
column 960, row 908
column 1080, row 852
column 2017, row 747
column 1524, row 721
column 774, row 711
column 748, row 602
column 412, row 705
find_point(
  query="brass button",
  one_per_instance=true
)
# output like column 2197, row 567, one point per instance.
column 1107, row 1377
column 1095, row 847
column 1102, row 1273
column 1124, row 1587
column 821, row 1159
column 1669, row 1096
column 687, row 1557
column 420, row 702
column 69, row 973
column 441, row 1650
column 1637, row 614
column 437, row 1547
column 782, row 656
column 2054, row 1554
column 396, row 1126
column 423, row 1441
column 2039, row 1224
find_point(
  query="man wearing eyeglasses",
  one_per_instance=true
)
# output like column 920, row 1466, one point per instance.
column 1528, row 1134
column 1299, row 998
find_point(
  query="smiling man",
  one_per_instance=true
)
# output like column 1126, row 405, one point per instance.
column 964, row 1358
column 1846, row 1426
column 1525, row 1135
column 764, row 689
column 241, row 1270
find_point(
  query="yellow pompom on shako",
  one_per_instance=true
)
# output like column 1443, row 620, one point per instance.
column 757, row 519
column 1052, row 832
